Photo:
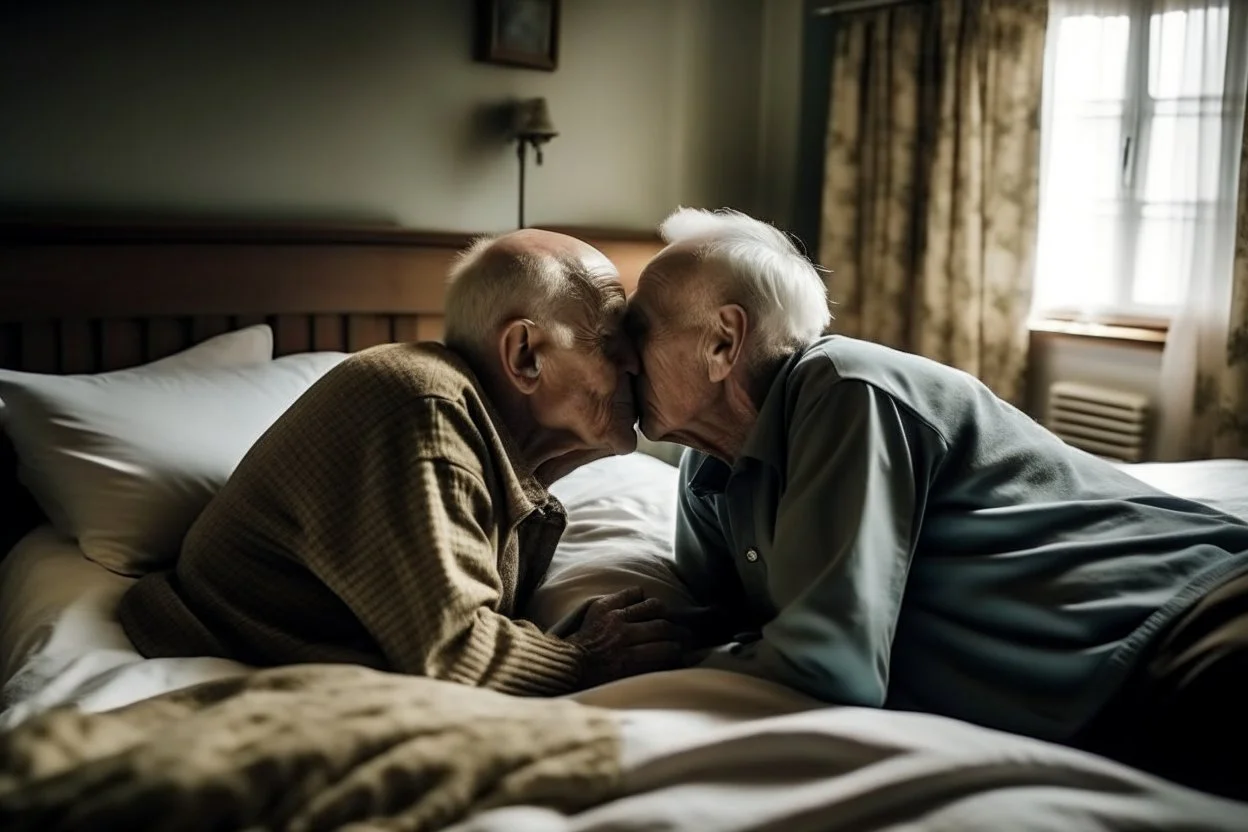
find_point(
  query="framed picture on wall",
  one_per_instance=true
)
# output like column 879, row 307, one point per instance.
column 521, row 33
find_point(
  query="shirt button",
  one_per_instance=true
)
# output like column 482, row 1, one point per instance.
column 751, row 555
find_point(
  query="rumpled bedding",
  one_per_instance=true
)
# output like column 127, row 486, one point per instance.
column 305, row 748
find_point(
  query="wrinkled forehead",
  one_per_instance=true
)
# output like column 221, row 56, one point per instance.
column 669, row 286
column 596, row 300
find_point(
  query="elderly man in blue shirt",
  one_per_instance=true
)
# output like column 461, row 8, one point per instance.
column 885, row 532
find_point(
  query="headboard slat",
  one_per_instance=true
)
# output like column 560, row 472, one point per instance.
column 40, row 350
column 78, row 354
column 204, row 327
column 327, row 332
column 429, row 329
column 121, row 343
column 10, row 345
column 364, row 331
column 166, row 336
column 407, row 328
column 291, row 334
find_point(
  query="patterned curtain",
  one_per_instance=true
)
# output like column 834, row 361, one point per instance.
column 1221, row 406
column 931, row 180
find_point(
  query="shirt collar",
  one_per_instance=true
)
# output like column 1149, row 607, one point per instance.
column 710, row 478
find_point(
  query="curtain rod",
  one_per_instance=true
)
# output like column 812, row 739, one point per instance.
column 858, row 6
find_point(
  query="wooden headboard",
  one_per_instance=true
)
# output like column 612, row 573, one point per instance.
column 88, row 298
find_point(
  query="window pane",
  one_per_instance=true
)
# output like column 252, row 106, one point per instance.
column 1165, row 249
column 1184, row 156
column 1091, row 59
column 1187, row 52
column 1076, row 265
column 1077, row 254
column 1085, row 162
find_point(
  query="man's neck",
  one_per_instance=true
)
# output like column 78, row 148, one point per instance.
column 541, row 453
column 722, row 428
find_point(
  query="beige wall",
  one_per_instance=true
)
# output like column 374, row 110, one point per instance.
column 373, row 111
column 779, row 101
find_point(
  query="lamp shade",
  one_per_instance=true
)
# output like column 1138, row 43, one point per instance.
column 532, row 120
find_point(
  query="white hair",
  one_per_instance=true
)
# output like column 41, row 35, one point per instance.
column 761, row 269
column 487, row 287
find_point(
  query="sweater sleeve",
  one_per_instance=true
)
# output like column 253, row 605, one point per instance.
column 423, row 575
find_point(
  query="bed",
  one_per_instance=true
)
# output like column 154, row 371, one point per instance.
column 699, row 749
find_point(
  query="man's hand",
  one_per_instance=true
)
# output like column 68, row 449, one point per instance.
column 625, row 634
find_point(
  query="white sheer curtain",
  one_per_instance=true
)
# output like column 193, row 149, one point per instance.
column 1197, row 341
column 1143, row 119
column 1086, row 109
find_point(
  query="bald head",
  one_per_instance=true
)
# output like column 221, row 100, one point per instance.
column 539, row 316
column 535, row 241
column 559, row 282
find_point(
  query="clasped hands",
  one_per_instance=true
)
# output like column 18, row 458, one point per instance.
column 625, row 634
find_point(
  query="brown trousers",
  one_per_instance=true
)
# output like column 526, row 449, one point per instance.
column 1183, row 712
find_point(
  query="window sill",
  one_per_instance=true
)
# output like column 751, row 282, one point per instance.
column 1151, row 336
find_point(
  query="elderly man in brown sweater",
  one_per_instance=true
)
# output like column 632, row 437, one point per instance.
column 397, row 515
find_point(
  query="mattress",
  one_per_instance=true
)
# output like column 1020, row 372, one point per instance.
column 1222, row 483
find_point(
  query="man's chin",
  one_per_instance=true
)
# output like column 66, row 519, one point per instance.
column 650, row 429
column 625, row 443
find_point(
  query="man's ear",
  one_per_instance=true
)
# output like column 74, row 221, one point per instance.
column 518, row 356
column 729, row 327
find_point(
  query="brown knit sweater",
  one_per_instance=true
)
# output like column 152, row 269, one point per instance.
column 380, row 521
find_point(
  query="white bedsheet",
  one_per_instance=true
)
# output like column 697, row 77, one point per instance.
column 707, row 750
column 60, row 642
column 1222, row 483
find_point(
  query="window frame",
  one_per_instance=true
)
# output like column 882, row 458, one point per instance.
column 1136, row 124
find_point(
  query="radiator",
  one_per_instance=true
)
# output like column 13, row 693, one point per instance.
column 1109, row 423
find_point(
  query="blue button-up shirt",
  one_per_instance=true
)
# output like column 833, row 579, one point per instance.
column 895, row 535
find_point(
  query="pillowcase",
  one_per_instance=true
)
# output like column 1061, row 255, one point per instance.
column 251, row 345
column 621, row 533
column 124, row 462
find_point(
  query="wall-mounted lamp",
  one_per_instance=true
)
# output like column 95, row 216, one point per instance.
column 531, row 125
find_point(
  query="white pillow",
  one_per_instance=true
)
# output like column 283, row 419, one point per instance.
column 125, row 463
column 621, row 529
column 250, row 345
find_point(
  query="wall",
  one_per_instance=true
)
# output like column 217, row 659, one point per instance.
column 780, row 98
column 374, row 111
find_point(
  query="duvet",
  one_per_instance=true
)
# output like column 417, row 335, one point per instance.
column 305, row 748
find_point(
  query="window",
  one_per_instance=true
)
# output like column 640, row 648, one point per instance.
column 1136, row 192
